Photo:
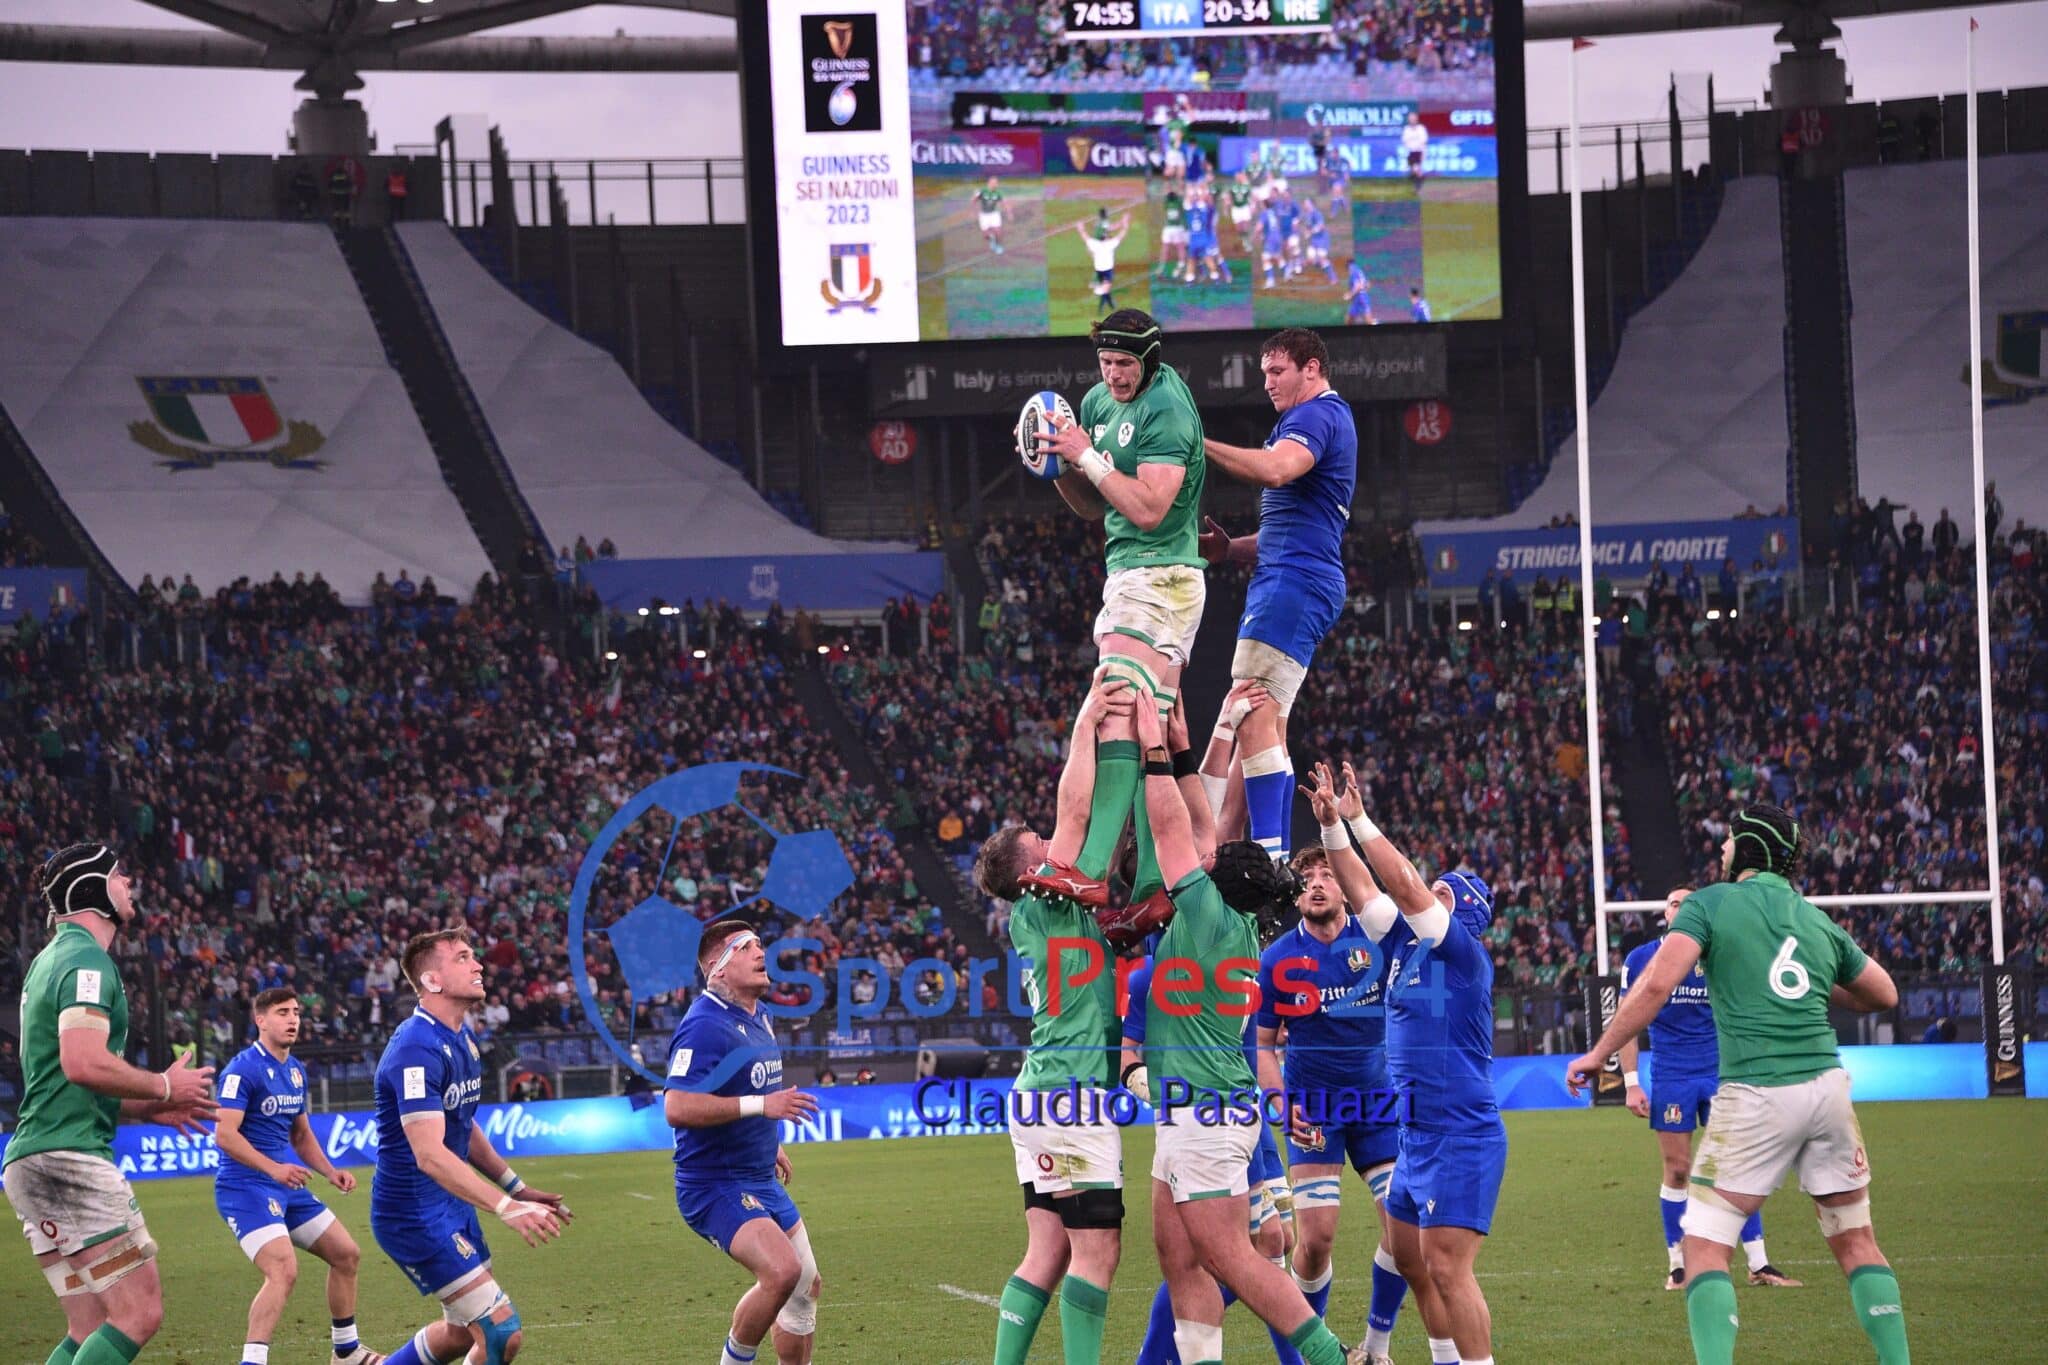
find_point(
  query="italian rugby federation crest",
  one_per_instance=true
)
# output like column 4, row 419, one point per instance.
column 851, row 282
column 1358, row 959
column 204, row 420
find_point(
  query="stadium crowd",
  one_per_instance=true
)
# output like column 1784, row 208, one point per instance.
column 330, row 781
column 957, row 39
column 1864, row 720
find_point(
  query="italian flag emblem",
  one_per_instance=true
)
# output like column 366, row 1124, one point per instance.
column 202, row 420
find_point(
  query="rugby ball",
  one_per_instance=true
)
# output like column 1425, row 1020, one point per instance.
column 1040, row 410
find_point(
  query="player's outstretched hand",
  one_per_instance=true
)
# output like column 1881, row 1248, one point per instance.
column 1638, row 1102
column 189, row 1083
column 1581, row 1072
column 1151, row 733
column 1213, row 544
column 292, row 1176
column 1322, row 795
column 189, row 1119
column 549, row 1201
column 784, row 1172
column 1350, row 798
column 791, row 1103
column 1109, row 696
column 342, row 1180
column 1068, row 440
column 1177, row 726
column 535, row 1223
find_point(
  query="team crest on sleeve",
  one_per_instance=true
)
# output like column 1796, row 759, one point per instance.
column 231, row 1088
column 679, row 1065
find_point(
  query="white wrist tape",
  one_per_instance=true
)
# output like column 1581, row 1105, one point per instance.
column 509, row 1208
column 510, row 1181
column 753, row 1106
column 1364, row 828
column 1335, row 839
column 167, row 1086
column 1095, row 465
column 1632, row 1080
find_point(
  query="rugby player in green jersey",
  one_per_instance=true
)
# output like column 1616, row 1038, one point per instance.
column 81, row 1218
column 1069, row 1152
column 1135, row 462
column 1774, row 962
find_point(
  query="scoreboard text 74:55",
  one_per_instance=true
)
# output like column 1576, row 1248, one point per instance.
column 1090, row 20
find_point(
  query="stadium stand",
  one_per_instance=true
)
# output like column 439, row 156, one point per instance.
column 546, row 392
column 107, row 309
column 1907, row 274
column 1665, row 447
column 417, row 764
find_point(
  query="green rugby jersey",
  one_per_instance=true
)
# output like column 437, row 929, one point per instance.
column 1771, row 957
column 57, row 1114
column 1205, row 1048
column 1158, row 426
column 1074, row 1043
column 989, row 200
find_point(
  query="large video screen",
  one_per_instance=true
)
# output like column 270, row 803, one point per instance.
column 946, row 169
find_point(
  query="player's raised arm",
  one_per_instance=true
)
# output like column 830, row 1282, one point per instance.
column 1333, row 806
column 1675, row 957
column 1173, row 836
column 1188, row 777
column 1411, row 894
column 1109, row 697
column 1270, row 467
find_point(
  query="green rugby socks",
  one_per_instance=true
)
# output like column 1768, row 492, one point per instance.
column 1875, row 1292
column 1710, row 1312
column 1023, row 1304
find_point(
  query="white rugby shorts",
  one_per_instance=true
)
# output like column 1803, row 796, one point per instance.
column 1759, row 1132
column 1055, row 1156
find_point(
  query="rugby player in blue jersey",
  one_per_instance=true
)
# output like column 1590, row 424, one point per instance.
column 1309, row 471
column 435, row 1167
column 1358, row 295
column 1323, row 982
column 268, row 1155
column 1453, row 1146
column 726, row 1100
column 1686, row 1074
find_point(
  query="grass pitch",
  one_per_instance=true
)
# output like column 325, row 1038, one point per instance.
column 915, row 1240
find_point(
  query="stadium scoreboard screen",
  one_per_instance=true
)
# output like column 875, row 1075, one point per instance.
column 1098, row 19
column 939, row 170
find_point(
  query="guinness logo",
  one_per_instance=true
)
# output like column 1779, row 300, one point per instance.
column 1078, row 149
column 839, row 33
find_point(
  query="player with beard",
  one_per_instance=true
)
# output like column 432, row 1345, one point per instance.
column 1324, row 982
column 726, row 1100
column 83, row 1224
